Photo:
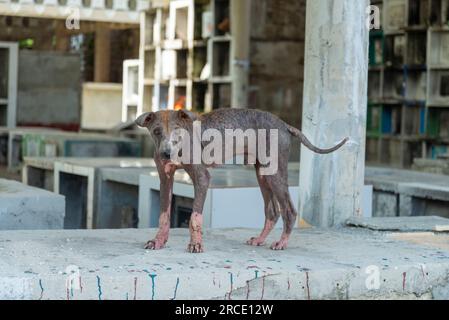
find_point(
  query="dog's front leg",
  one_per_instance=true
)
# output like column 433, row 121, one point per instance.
column 166, row 176
column 201, row 178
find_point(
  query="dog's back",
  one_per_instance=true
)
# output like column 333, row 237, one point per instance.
column 242, row 119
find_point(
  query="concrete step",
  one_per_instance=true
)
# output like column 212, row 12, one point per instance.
column 23, row 207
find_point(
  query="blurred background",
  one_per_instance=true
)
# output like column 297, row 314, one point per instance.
column 74, row 74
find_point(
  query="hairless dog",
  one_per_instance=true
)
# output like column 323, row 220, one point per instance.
column 274, row 187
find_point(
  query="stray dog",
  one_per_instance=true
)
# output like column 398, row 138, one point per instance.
column 274, row 187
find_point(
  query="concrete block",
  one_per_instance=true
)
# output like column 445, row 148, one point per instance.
column 385, row 204
column 408, row 193
column 118, row 197
column 111, row 265
column 77, row 179
column 51, row 96
column 26, row 208
column 234, row 199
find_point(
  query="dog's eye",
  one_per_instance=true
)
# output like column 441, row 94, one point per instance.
column 157, row 132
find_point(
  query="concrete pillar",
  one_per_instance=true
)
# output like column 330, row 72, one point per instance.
column 334, row 107
column 240, row 30
column 102, row 64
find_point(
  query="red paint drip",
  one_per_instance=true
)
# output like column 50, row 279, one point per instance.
column 68, row 294
column 252, row 267
column 288, row 284
column 404, row 275
column 247, row 290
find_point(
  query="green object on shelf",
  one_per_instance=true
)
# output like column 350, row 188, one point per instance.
column 373, row 126
column 376, row 48
column 433, row 123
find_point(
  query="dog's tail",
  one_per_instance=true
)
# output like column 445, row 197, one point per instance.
column 295, row 132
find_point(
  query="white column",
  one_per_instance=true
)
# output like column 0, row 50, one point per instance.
column 335, row 102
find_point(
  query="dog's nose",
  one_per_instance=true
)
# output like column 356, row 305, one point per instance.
column 166, row 155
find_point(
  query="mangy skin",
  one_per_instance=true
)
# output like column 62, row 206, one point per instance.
column 274, row 187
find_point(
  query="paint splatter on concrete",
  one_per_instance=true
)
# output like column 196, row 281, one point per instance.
column 152, row 276
column 176, row 289
column 100, row 292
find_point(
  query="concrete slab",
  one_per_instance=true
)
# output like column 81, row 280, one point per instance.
column 405, row 224
column 24, row 208
column 77, row 179
column 111, row 264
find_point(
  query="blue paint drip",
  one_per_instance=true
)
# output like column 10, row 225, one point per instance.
column 100, row 293
column 152, row 276
column 127, row 296
column 42, row 289
column 176, row 289
column 257, row 273
column 231, row 279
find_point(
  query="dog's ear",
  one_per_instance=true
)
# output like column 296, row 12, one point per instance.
column 145, row 119
column 187, row 115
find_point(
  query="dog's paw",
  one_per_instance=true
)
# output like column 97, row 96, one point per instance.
column 195, row 248
column 279, row 245
column 255, row 241
column 154, row 244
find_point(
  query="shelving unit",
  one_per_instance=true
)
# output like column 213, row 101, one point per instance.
column 8, row 83
column 130, row 99
column 186, row 49
column 408, row 109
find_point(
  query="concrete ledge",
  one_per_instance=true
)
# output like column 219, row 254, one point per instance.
column 320, row 264
column 403, row 224
column 23, row 207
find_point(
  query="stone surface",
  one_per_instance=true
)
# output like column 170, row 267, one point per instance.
column 23, row 207
column 405, row 224
column 319, row 264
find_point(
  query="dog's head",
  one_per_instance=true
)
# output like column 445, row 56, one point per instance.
column 165, row 128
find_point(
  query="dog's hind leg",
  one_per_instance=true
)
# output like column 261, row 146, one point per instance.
column 271, row 209
column 288, row 211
